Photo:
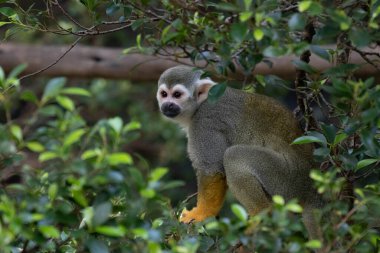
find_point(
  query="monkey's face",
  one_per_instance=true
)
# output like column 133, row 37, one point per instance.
column 175, row 101
column 180, row 92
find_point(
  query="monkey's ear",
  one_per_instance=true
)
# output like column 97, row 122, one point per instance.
column 203, row 86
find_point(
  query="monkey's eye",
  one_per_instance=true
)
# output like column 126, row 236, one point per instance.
column 164, row 94
column 177, row 94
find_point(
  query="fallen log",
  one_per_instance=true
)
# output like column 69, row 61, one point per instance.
column 90, row 62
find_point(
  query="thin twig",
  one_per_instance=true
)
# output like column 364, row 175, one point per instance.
column 190, row 197
column 364, row 55
column 68, row 15
column 97, row 32
column 53, row 63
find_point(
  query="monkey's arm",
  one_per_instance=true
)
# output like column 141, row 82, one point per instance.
column 211, row 192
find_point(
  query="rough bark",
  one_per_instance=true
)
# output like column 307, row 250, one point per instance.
column 301, row 82
column 90, row 62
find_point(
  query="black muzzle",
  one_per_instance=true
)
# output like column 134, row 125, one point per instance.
column 170, row 110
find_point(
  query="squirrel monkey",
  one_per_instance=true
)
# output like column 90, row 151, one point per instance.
column 242, row 141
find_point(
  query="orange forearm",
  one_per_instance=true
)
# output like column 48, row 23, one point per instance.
column 211, row 193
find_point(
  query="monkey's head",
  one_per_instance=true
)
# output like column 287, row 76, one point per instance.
column 181, row 90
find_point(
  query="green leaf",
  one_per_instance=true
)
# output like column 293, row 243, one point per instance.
column 17, row 70
column 4, row 23
column 130, row 50
column 178, row 24
column 154, row 247
column 101, row 213
column 245, row 16
column 239, row 212
column 304, row 66
column 117, row 231
column 91, row 153
column 48, row 155
column 339, row 138
column 53, row 88
column 321, row 152
column 165, row 35
column 52, row 191
column 119, row 158
column 329, row 132
column 279, row 200
column 2, row 74
column 127, row 10
column 313, row 8
column 158, row 173
column 49, row 231
column 138, row 42
column 366, row 162
column 216, row 92
column 172, row 184
column 136, row 24
column 157, row 223
column 323, row 53
column 140, row 233
column 304, row 5
column 131, row 126
column 294, row 207
column 87, row 214
column 116, row 124
column 147, row 193
column 360, row 37
column 29, row 96
column 341, row 70
column 273, row 51
column 225, row 6
column 79, row 196
column 258, row 34
column 239, row 31
column 313, row 244
column 76, row 91
column 297, row 22
column 16, row 132
column 7, row 11
column 317, row 176
column 247, row 4
column 35, row 146
column 306, row 139
column 73, row 137
column 66, row 102
column 97, row 246
column 51, row 111
column 112, row 9
column 340, row 17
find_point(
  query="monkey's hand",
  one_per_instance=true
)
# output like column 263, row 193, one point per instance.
column 194, row 215
column 211, row 192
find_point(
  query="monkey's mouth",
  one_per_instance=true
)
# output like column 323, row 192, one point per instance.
column 170, row 110
column 171, row 114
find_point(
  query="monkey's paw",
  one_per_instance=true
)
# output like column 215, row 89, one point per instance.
column 194, row 215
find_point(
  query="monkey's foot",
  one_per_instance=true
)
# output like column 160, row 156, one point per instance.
column 194, row 215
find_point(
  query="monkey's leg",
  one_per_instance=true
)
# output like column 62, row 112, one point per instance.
column 242, row 182
column 211, row 192
column 251, row 169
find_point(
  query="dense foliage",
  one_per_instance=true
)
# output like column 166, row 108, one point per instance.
column 81, row 191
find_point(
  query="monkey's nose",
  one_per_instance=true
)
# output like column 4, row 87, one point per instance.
column 170, row 110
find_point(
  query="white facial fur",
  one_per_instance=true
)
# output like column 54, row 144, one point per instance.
column 185, row 94
column 186, row 101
